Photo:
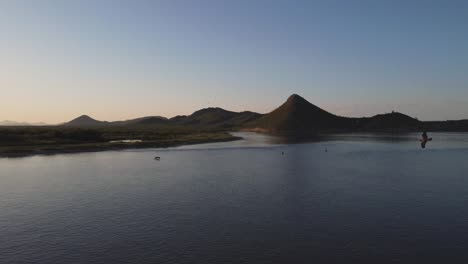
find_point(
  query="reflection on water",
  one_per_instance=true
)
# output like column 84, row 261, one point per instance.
column 356, row 198
column 398, row 140
column 250, row 139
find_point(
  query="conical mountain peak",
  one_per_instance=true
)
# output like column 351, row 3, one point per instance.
column 295, row 98
column 84, row 120
column 84, row 117
column 297, row 114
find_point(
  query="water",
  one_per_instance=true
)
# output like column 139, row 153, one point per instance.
column 367, row 199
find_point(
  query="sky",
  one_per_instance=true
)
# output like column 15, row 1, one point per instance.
column 116, row 60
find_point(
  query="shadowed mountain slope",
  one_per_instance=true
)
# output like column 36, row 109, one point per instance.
column 297, row 114
column 392, row 120
column 216, row 117
column 147, row 120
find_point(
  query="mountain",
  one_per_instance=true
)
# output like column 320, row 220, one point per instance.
column 212, row 118
column 14, row 123
column 215, row 117
column 449, row 125
column 85, row 121
column 297, row 114
column 147, row 120
column 393, row 120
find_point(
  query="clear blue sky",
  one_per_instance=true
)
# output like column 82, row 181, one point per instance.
column 123, row 59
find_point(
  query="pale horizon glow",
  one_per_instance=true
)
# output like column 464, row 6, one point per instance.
column 122, row 59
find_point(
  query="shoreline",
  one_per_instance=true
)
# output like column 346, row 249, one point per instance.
column 49, row 150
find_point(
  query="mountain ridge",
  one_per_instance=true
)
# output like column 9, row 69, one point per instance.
column 296, row 114
column 15, row 123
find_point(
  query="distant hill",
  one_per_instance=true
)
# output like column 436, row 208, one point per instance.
column 14, row 123
column 449, row 125
column 212, row 118
column 147, row 120
column 85, row 121
column 206, row 116
column 297, row 114
column 216, row 117
column 392, row 120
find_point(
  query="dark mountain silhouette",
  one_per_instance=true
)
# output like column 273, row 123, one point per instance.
column 297, row 114
column 150, row 120
column 393, row 120
column 216, row 117
column 212, row 118
column 449, row 125
column 147, row 120
column 243, row 118
column 14, row 123
column 206, row 116
column 85, row 121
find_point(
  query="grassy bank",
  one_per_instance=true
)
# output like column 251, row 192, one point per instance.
column 25, row 141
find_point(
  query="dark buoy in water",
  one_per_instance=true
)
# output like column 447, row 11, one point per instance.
column 326, row 150
column 282, row 152
column 157, row 158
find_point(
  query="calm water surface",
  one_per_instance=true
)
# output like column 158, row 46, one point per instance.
column 347, row 199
